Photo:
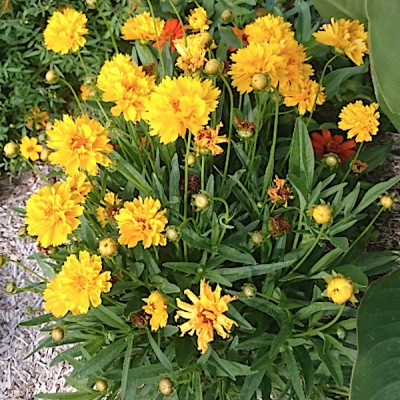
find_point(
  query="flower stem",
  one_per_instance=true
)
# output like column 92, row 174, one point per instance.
column 202, row 173
column 29, row 270
column 74, row 94
column 37, row 172
column 313, row 332
column 185, row 203
column 319, row 88
column 264, row 296
column 226, row 217
column 108, row 28
column 352, row 161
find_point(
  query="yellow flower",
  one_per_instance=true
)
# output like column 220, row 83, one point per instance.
column 205, row 315
column 268, row 28
column 29, row 148
column 142, row 221
column 79, row 284
column 36, row 119
column 207, row 140
column 360, row 121
column 156, row 306
column 65, row 30
column 339, row 289
column 52, row 214
column 79, row 145
column 346, row 36
column 141, row 27
column 79, row 186
column 192, row 53
column 280, row 192
column 198, row 19
column 126, row 84
column 178, row 104
column 322, row 213
column 303, row 96
column 86, row 92
column 108, row 213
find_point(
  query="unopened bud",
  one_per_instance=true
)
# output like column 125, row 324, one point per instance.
column 213, row 67
column 260, row 81
column 207, row 39
column 261, row 12
column 108, row 247
column 331, row 160
column 57, row 334
column 29, row 310
column 322, row 213
column 201, row 201
column 51, row 76
column 248, row 290
column 191, row 159
column 10, row 287
column 257, row 238
column 101, row 385
column 386, row 202
column 341, row 333
column 91, row 3
column 172, row 233
column 11, row 149
column 22, row 231
column 165, row 386
column 227, row 15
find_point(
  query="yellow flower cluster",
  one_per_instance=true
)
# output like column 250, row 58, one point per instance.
column 178, row 104
column 141, row 27
column 79, row 284
column 29, row 148
column 192, row 53
column 156, row 306
column 198, row 19
column 65, row 30
column 79, row 145
column 126, row 84
column 346, row 36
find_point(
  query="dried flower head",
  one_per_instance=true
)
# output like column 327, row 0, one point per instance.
column 280, row 192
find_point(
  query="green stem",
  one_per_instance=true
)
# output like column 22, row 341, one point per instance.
column 226, row 217
column 108, row 27
column 37, row 172
column 202, row 173
column 186, row 200
column 319, row 88
column 254, row 140
column 297, row 236
column 74, row 94
column 313, row 332
column 333, row 390
column 231, row 115
column 310, row 250
column 264, row 296
column 29, row 270
column 352, row 161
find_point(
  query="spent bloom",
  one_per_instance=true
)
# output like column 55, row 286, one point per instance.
column 141, row 27
column 346, row 36
column 65, row 30
column 156, row 306
column 142, row 221
column 36, row 119
column 279, row 192
column 198, row 19
column 79, row 145
column 339, row 289
column 29, row 148
column 205, row 315
column 52, row 214
column 207, row 139
column 79, row 284
column 126, row 84
column 178, row 104
column 360, row 121
column 112, row 205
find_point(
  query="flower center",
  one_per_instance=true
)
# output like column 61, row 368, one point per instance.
column 333, row 147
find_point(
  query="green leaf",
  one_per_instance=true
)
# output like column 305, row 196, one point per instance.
column 349, row 9
column 69, row 396
column 182, row 266
column 104, row 357
column 284, row 333
column 324, row 262
column 88, row 234
column 45, row 266
column 250, row 386
column 174, row 178
column 106, row 315
column 159, row 353
column 313, row 308
column 126, row 365
column 37, row 321
column 376, row 370
column 235, row 255
column 229, row 368
column 197, row 388
column 294, row 374
column 304, row 359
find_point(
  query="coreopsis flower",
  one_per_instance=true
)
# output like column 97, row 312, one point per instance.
column 52, row 214
column 126, row 84
column 192, row 53
column 346, row 36
column 325, row 143
column 112, row 205
column 29, row 148
column 65, row 30
column 280, row 192
column 340, row 289
column 321, row 213
column 79, row 145
column 303, row 96
column 387, row 201
column 360, row 121
column 141, row 27
column 79, row 284
column 172, row 30
column 242, row 37
column 142, row 221
column 178, row 104
column 156, row 306
column 207, row 139
column 269, row 28
column 205, row 315
column 36, row 119
column 79, row 186
column 198, row 19
column 86, row 92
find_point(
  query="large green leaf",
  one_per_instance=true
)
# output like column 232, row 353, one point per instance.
column 342, row 8
column 376, row 371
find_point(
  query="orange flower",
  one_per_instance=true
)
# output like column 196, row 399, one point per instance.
column 326, row 143
column 239, row 33
column 172, row 30
column 207, row 140
column 280, row 192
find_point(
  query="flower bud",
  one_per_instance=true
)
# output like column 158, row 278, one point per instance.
column 165, row 386
column 201, row 201
column 261, row 12
column 57, row 334
column 260, row 81
column 191, row 159
column 3, row 260
column 207, row 39
column 248, row 290
column 322, row 213
column 22, row 231
column 51, row 76
column 227, row 15
column 29, row 310
column 386, row 201
column 44, row 154
column 10, row 287
column 114, row 166
column 101, row 385
column 213, row 67
column 257, row 238
column 108, row 247
column 11, row 149
column 172, row 233
column 341, row 333
column 339, row 289
column 331, row 160
column 91, row 3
